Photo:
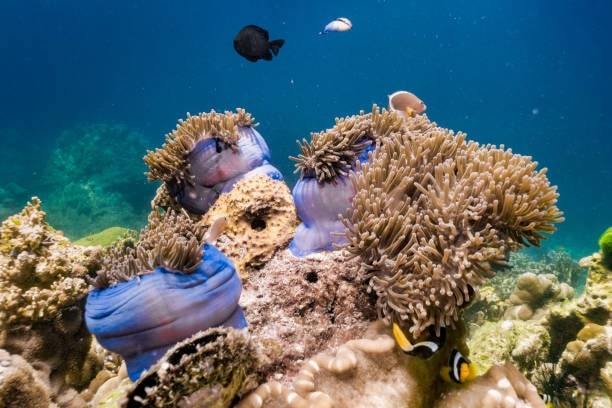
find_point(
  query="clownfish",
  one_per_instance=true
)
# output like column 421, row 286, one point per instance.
column 423, row 349
column 459, row 369
column 547, row 400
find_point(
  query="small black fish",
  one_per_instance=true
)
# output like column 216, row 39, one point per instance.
column 253, row 43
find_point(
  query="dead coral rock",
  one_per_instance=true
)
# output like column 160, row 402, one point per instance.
column 19, row 384
column 502, row 386
column 297, row 307
column 533, row 293
column 261, row 217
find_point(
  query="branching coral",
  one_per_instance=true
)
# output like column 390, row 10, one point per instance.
column 433, row 212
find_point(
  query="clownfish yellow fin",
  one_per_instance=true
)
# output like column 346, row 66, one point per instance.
column 410, row 112
column 401, row 339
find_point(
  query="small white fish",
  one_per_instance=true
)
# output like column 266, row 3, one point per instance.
column 215, row 230
column 339, row 24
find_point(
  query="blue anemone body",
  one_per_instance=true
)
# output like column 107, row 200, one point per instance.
column 319, row 206
column 216, row 167
column 142, row 318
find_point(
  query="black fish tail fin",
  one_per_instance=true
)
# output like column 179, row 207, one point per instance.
column 275, row 45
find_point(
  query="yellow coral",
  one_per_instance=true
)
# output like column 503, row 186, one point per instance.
column 261, row 217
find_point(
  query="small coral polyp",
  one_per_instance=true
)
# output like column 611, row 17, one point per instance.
column 172, row 285
column 206, row 155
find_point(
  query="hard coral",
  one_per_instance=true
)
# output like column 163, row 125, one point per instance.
column 41, row 272
column 19, row 385
column 260, row 219
column 533, row 293
column 43, row 282
column 433, row 212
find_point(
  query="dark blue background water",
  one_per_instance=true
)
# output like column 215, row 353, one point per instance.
column 532, row 75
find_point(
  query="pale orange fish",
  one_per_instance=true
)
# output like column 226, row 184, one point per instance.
column 406, row 103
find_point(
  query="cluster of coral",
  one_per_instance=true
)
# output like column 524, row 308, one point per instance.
column 563, row 343
column 43, row 283
column 427, row 217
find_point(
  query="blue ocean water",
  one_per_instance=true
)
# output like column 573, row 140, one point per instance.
column 533, row 76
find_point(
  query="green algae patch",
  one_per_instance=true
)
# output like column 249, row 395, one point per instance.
column 104, row 238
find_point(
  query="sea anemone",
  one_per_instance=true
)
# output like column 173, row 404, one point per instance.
column 169, row 287
column 432, row 214
column 324, row 191
column 206, row 155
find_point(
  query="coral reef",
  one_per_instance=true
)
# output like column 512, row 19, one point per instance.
column 206, row 155
column 43, row 282
column 534, row 293
column 19, row 384
column 299, row 307
column 260, row 219
column 210, row 369
column 433, row 213
column 94, row 180
column 324, row 191
column 605, row 248
column 171, row 285
column 372, row 372
column 521, row 343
